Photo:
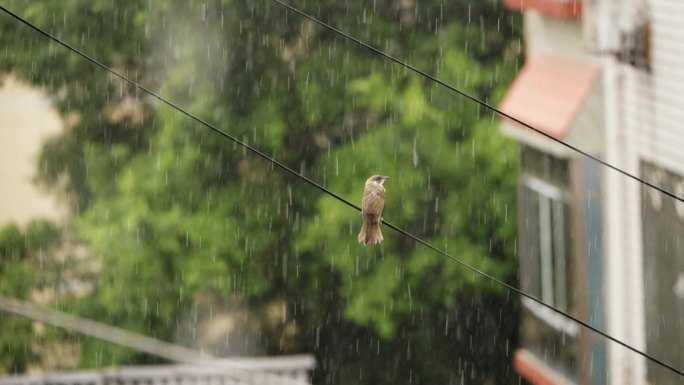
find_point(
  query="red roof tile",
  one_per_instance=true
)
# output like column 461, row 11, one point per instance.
column 557, row 8
column 535, row 370
column 549, row 91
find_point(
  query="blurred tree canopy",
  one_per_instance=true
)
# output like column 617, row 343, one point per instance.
column 179, row 216
column 21, row 254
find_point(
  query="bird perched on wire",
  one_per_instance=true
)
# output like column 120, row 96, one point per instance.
column 371, row 210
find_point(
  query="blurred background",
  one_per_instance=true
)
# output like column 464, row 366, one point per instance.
column 133, row 237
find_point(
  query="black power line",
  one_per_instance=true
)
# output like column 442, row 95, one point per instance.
column 331, row 193
column 476, row 100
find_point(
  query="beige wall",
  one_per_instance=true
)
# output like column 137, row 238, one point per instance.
column 26, row 120
column 551, row 35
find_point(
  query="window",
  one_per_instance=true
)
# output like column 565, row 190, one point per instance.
column 663, row 242
column 546, row 259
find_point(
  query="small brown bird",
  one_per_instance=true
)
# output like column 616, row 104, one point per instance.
column 371, row 210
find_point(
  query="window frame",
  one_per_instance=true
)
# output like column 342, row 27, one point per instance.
column 552, row 274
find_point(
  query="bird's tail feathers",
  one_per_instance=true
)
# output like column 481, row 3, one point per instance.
column 370, row 234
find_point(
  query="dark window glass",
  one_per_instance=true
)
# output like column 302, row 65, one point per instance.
column 545, row 166
column 663, row 254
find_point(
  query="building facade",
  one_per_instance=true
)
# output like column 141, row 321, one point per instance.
column 604, row 76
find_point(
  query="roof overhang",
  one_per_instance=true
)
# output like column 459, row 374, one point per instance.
column 557, row 8
column 535, row 370
column 561, row 98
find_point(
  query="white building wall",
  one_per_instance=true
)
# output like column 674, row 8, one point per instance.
column 648, row 119
column 615, row 267
column 663, row 144
column 552, row 35
column 651, row 121
column 622, row 226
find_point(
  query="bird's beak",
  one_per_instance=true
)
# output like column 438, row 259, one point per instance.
column 385, row 177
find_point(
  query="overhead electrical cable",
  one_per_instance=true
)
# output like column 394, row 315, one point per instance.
column 331, row 193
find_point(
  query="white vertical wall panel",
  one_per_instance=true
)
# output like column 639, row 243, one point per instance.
column 652, row 115
column 664, row 141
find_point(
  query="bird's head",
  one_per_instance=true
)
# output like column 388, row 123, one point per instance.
column 379, row 179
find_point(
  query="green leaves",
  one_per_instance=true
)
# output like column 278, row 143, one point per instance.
column 21, row 252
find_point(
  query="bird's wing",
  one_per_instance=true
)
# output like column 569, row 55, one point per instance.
column 373, row 200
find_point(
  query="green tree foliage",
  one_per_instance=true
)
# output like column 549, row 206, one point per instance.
column 20, row 254
column 177, row 214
